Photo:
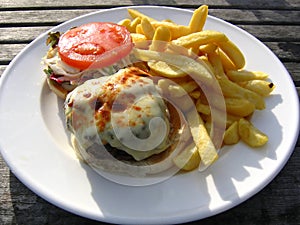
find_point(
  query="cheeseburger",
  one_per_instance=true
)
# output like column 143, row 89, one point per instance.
column 121, row 123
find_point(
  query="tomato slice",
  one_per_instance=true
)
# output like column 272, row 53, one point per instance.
column 94, row 45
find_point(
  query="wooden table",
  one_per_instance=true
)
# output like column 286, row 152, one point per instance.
column 276, row 23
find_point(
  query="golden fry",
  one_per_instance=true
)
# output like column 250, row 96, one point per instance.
column 233, row 90
column 160, row 39
column 189, row 86
column 195, row 94
column 166, row 70
column 138, row 29
column 188, row 159
column 245, row 75
column 233, row 52
column 207, row 151
column 207, row 63
column 202, row 108
column 261, row 87
column 231, row 135
column 175, row 29
column 126, row 23
column 239, row 106
column 226, row 62
column 135, row 13
column 250, row 134
column 198, row 19
column 215, row 60
column 208, row 48
column 188, row 65
column 139, row 40
column 147, row 28
column 200, row 38
column 134, row 23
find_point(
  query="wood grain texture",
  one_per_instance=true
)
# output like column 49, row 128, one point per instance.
column 256, row 4
column 275, row 23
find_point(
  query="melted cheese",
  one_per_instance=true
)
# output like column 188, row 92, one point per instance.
column 115, row 109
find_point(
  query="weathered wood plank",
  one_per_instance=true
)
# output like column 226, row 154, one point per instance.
column 287, row 4
column 294, row 70
column 284, row 33
column 33, row 17
column 232, row 15
column 286, row 51
column 21, row 34
column 238, row 16
column 9, row 51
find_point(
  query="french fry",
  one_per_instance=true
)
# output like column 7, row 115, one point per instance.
column 239, row 106
column 166, row 70
column 231, row 135
column 194, row 50
column 233, row 52
column 171, row 88
column 226, row 62
column 188, row 65
column 188, row 159
column 207, row 63
column 139, row 40
column 126, row 23
column 195, row 94
column 261, row 87
column 135, row 13
column 208, row 48
column 245, row 75
column 202, row 108
column 189, row 86
column 147, row 28
column 160, row 39
column 200, row 38
column 134, row 23
column 215, row 60
column 176, row 30
column 251, row 135
column 198, row 19
column 138, row 37
column 233, row 90
column 202, row 140
column 178, row 95
column 138, row 29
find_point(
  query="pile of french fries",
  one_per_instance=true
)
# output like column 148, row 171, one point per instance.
column 174, row 51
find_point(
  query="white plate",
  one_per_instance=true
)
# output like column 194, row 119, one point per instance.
column 35, row 145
